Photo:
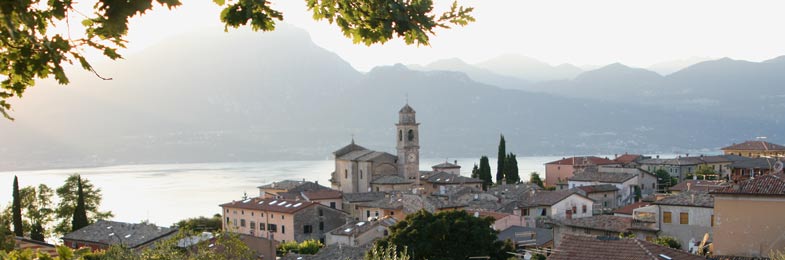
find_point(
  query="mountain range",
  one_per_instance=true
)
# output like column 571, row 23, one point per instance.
column 241, row 96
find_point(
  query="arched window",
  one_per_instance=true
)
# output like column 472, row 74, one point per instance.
column 400, row 135
column 345, row 174
column 410, row 136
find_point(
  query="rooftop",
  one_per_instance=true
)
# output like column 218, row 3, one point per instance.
column 576, row 247
column 112, row 232
column 756, row 146
column 699, row 185
column 359, row 227
column 391, row 179
column 322, row 194
column 598, row 188
column 755, row 163
column 274, row 205
column 584, row 160
column 605, row 223
column 766, row 185
column 446, row 165
column 448, row 178
column 627, row 158
column 362, row 196
column 546, row 198
column 688, row 199
column 542, row 235
column 594, row 174
column 628, row 210
column 347, row 149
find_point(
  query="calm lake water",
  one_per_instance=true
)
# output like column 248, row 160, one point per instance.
column 166, row 193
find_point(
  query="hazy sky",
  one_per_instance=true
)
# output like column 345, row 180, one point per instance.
column 636, row 33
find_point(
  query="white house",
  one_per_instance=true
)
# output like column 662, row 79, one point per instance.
column 559, row 204
column 627, row 180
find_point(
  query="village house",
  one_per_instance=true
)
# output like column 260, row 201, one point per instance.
column 744, row 170
column 755, row 149
column 21, row 243
column 748, row 218
column 281, row 220
column 359, row 233
column 581, row 247
column 687, row 216
column 629, row 160
column 441, row 182
column 559, row 204
column 102, row 234
column 604, row 195
column 302, row 190
column 561, row 170
column 604, row 226
column 630, row 182
column 683, row 166
column 502, row 221
column 352, row 201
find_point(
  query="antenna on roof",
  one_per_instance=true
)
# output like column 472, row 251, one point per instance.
column 352, row 138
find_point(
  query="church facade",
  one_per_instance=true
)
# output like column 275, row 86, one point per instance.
column 358, row 169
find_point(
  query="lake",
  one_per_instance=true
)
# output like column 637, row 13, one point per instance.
column 167, row 193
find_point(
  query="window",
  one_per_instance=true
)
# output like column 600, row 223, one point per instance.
column 272, row 228
column 261, row 226
column 251, row 214
column 242, row 222
column 242, row 212
column 282, row 216
column 377, row 188
column 227, row 220
column 411, row 135
column 332, row 204
column 252, row 225
column 666, row 217
column 321, row 226
column 684, row 218
column 321, row 213
column 574, row 209
column 605, row 195
column 367, row 213
column 376, row 213
column 272, row 215
column 234, row 221
column 605, row 204
column 544, row 212
column 583, row 209
column 400, row 135
column 227, row 210
column 283, row 229
column 712, row 220
column 653, row 186
column 346, row 174
column 361, row 174
column 392, row 213
column 307, row 229
column 525, row 212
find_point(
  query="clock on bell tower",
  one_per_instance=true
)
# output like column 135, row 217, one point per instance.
column 408, row 143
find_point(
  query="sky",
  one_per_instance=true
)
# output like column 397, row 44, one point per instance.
column 599, row 32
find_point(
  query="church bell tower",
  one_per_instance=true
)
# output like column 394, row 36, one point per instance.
column 408, row 144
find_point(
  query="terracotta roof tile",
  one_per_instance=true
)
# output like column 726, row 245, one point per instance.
column 756, row 146
column 584, row 160
column 606, row 223
column 575, row 247
column 628, row 210
column 766, row 185
column 627, row 158
column 322, row 194
column 699, row 185
column 598, row 188
column 689, row 199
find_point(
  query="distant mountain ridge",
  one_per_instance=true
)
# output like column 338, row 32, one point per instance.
column 277, row 96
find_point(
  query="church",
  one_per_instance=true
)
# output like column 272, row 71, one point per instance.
column 358, row 169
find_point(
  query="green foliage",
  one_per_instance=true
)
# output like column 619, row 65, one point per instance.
column 534, row 178
column 80, row 212
column 485, row 173
column 201, row 224
column 501, row 157
column 511, row 175
column 476, row 172
column 538, row 257
column 637, row 191
column 307, row 247
column 16, row 209
column 706, row 172
column 29, row 50
column 668, row 241
column 777, row 255
column 551, row 188
column 445, row 235
column 6, row 235
column 664, row 179
column 69, row 194
column 390, row 252
column 626, row 235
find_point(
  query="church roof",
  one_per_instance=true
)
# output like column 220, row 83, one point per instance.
column 347, row 149
column 445, row 165
column 354, row 155
column 407, row 109
column 391, row 179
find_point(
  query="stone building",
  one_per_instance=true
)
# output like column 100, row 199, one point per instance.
column 559, row 171
column 358, row 169
column 687, row 216
column 281, row 220
column 754, row 149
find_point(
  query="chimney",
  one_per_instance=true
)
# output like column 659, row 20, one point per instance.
column 616, row 156
column 456, row 162
column 317, row 182
column 693, row 198
column 688, row 155
column 658, row 156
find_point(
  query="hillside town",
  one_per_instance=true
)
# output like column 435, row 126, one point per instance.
column 726, row 206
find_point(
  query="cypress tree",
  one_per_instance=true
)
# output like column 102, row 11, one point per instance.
column 511, row 174
column 476, row 172
column 80, row 212
column 500, row 158
column 16, row 210
column 37, row 232
column 485, row 173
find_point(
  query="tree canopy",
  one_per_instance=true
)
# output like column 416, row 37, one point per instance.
column 485, row 173
column 29, row 49
column 69, row 196
column 501, row 158
column 445, row 235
